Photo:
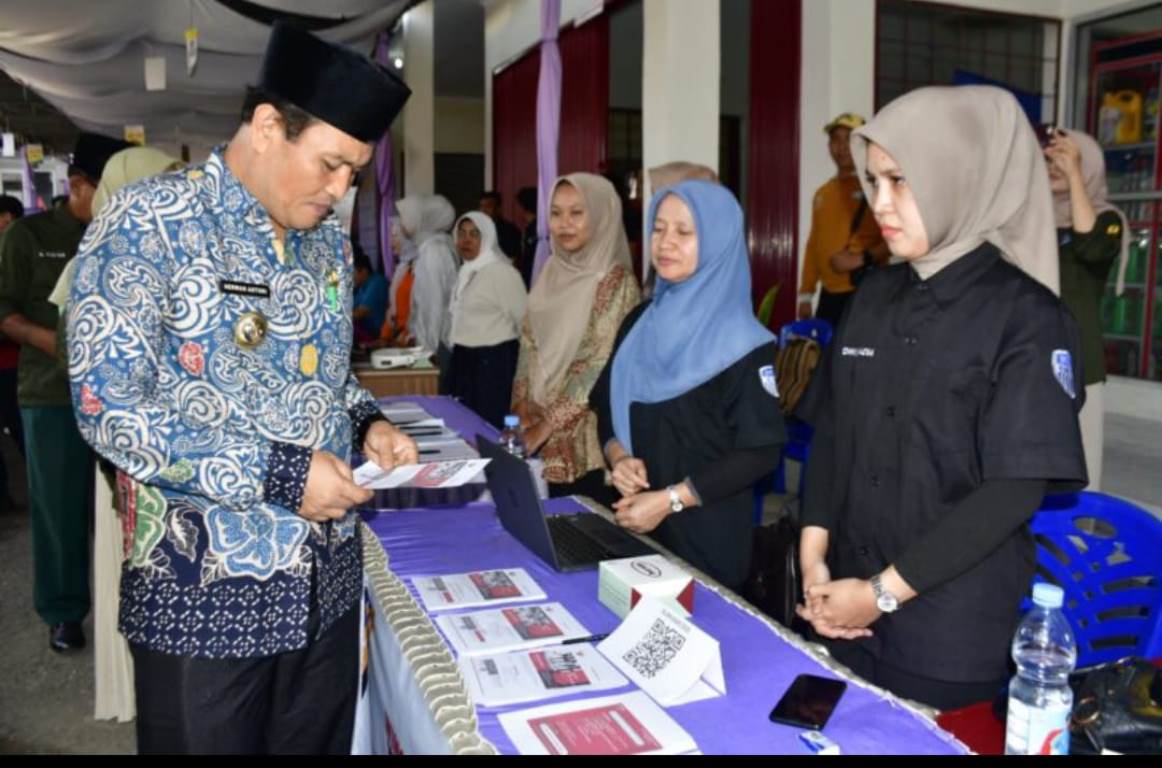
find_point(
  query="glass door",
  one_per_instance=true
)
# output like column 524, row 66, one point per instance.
column 1124, row 119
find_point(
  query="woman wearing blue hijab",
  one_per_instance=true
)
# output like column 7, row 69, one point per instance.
column 687, row 407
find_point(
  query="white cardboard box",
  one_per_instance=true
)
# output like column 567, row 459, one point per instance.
column 621, row 583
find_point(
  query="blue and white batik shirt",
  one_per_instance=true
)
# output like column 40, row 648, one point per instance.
column 213, row 433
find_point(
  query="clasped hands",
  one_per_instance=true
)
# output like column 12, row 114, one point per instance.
column 839, row 610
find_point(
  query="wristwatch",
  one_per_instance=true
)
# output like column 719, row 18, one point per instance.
column 885, row 600
column 676, row 504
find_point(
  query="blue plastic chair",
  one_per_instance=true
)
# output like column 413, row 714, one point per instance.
column 820, row 330
column 1106, row 554
column 798, row 432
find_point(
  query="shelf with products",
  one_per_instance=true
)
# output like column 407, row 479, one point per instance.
column 1123, row 105
column 1142, row 146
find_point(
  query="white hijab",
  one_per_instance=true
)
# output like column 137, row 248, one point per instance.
column 489, row 254
column 426, row 219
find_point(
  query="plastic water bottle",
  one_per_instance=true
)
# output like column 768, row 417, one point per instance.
column 1040, row 698
column 510, row 438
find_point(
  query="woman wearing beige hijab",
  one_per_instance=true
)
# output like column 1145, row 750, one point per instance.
column 1091, row 234
column 946, row 407
column 113, row 666
column 575, row 308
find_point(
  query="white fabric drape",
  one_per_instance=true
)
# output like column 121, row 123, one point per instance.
column 88, row 61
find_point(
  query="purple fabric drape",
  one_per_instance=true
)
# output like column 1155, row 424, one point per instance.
column 548, row 124
column 384, row 178
column 28, row 186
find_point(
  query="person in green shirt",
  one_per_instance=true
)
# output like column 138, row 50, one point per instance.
column 34, row 252
column 1091, row 233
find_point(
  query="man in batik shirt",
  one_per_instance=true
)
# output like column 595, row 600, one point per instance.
column 209, row 337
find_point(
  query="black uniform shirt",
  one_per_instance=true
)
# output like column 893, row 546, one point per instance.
column 723, row 435
column 929, row 389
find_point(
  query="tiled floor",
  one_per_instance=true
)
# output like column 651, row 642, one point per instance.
column 1132, row 465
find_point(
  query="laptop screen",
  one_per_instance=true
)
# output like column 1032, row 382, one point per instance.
column 514, row 492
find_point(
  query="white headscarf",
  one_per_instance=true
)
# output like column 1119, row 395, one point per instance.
column 425, row 216
column 489, row 254
column 977, row 172
column 427, row 219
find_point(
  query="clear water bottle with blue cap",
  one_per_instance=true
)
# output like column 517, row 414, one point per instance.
column 1040, row 698
column 511, row 439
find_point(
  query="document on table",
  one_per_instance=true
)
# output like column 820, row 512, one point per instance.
column 669, row 658
column 438, row 474
column 510, row 629
column 469, row 590
column 544, row 673
column 629, row 724
column 409, row 415
column 447, row 450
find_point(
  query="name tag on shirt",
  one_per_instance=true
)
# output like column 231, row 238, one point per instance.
column 857, row 352
column 244, row 289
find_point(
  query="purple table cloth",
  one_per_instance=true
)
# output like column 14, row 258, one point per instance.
column 757, row 663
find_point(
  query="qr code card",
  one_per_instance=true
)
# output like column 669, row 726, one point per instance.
column 667, row 656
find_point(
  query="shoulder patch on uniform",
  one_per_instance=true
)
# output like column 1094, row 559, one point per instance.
column 1114, row 229
column 1062, row 363
column 767, row 377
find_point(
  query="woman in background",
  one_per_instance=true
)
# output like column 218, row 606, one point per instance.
column 1091, row 233
column 575, row 308
column 488, row 305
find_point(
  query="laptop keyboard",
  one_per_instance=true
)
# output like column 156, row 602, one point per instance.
column 573, row 546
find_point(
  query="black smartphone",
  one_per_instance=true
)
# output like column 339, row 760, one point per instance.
column 809, row 702
column 1045, row 133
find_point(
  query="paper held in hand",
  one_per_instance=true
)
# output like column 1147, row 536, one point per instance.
column 544, row 673
column 669, row 658
column 469, row 590
column 437, row 474
column 629, row 724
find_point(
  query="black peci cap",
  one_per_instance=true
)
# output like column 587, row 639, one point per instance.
column 334, row 84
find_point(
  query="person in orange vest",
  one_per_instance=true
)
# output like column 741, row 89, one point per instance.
column 844, row 236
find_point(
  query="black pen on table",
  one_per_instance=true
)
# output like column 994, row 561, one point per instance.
column 590, row 639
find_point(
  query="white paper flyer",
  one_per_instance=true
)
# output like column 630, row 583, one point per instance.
column 543, row 673
column 469, row 590
column 510, row 629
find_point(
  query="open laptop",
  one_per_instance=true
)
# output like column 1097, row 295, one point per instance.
column 569, row 542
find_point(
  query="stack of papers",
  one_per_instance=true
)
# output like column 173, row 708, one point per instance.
column 434, row 439
column 510, row 629
column 629, row 724
column 468, row 590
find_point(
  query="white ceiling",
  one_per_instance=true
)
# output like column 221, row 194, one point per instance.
column 87, row 58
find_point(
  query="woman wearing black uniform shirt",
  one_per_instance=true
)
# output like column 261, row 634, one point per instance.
column 687, row 407
column 947, row 404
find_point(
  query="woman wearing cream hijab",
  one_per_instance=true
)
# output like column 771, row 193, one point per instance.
column 1091, row 235
column 575, row 308
column 113, row 666
column 946, row 407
